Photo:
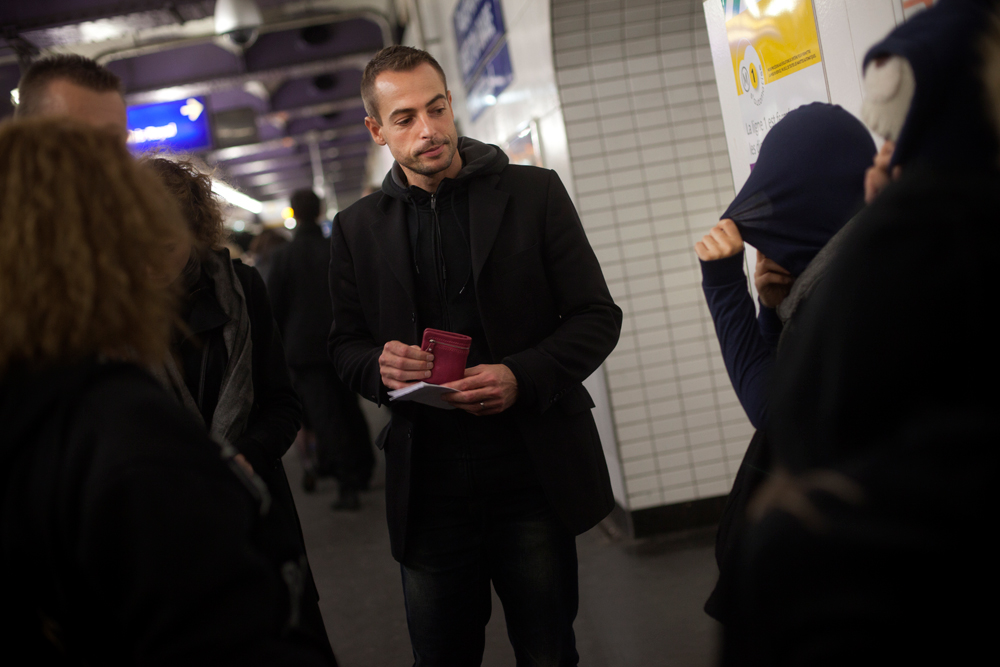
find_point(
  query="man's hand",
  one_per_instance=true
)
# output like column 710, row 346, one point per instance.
column 877, row 177
column 487, row 389
column 723, row 241
column 773, row 282
column 400, row 364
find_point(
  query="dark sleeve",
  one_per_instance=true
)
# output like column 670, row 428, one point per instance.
column 165, row 544
column 770, row 325
column 277, row 411
column 590, row 322
column 747, row 355
column 353, row 350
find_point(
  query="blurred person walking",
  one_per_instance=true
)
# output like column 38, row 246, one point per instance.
column 129, row 537
column 299, row 287
column 228, row 366
column 262, row 249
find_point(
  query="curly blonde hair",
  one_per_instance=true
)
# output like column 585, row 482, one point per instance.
column 83, row 233
column 191, row 188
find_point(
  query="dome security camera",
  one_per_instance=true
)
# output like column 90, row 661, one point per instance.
column 238, row 20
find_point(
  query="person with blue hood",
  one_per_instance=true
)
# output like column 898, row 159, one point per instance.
column 806, row 186
column 866, row 543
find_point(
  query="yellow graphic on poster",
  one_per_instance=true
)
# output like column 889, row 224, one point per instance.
column 776, row 63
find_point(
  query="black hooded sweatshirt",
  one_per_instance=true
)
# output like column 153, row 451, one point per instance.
column 456, row 452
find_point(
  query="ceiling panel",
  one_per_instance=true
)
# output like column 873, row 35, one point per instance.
column 301, row 77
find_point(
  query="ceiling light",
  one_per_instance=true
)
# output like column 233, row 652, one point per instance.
column 290, row 223
column 237, row 198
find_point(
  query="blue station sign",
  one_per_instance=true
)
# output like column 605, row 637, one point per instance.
column 479, row 28
column 181, row 125
column 482, row 52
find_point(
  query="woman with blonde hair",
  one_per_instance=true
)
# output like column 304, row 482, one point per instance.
column 126, row 535
column 228, row 364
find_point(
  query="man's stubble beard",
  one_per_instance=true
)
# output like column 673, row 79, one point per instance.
column 414, row 164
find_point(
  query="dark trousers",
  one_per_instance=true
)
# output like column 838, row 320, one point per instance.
column 456, row 546
column 343, row 443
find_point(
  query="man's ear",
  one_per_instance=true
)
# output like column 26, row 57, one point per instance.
column 375, row 129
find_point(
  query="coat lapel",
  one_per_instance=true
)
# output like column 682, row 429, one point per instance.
column 486, row 208
column 393, row 240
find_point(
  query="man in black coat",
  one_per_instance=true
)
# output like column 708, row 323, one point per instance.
column 496, row 489
column 297, row 284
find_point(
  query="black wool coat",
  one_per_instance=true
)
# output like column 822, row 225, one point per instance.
column 126, row 531
column 545, row 309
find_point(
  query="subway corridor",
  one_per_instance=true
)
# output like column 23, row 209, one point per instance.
column 640, row 600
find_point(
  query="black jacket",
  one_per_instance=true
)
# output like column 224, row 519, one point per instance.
column 887, row 383
column 300, row 296
column 545, row 309
column 276, row 413
column 124, row 529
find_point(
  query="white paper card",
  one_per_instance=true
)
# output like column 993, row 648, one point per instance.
column 422, row 392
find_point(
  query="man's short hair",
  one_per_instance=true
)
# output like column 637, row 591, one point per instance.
column 78, row 70
column 306, row 205
column 393, row 59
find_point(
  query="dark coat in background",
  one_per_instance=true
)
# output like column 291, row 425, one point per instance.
column 124, row 528
column 544, row 306
column 300, row 295
column 299, row 287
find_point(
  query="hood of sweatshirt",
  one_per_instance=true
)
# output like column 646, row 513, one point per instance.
column 478, row 160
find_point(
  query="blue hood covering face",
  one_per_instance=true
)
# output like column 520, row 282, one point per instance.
column 947, row 124
column 806, row 185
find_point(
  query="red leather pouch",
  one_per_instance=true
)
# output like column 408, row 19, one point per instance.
column 450, row 350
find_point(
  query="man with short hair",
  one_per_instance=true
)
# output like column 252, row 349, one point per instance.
column 495, row 490
column 71, row 85
column 297, row 284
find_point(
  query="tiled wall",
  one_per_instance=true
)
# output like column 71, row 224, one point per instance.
column 649, row 160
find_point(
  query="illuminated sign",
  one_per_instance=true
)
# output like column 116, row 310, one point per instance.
column 181, row 125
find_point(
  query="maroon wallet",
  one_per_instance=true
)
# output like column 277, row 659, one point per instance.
column 450, row 351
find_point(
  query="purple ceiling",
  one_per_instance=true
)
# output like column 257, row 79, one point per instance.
column 301, row 78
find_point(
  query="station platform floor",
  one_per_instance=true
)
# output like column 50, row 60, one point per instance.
column 640, row 600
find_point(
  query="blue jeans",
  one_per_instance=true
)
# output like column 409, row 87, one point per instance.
column 456, row 546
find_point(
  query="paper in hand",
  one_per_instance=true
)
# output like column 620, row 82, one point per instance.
column 425, row 393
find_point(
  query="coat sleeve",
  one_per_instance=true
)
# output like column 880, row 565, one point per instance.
column 277, row 411
column 353, row 350
column 589, row 320
column 748, row 356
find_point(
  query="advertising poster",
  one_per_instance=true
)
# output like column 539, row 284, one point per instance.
column 777, row 64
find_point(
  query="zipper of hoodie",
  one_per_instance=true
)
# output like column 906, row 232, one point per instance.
column 442, row 269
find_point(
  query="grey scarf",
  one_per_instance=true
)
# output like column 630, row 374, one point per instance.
column 236, row 394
